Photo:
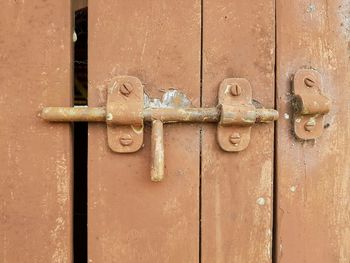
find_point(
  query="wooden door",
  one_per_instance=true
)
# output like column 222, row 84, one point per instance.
column 35, row 156
column 313, row 187
column 280, row 200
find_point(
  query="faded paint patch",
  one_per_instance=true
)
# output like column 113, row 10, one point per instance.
column 261, row 201
column 60, row 253
column 311, row 8
column 218, row 226
column 262, row 214
column 171, row 99
column 293, row 188
column 266, row 176
column 62, row 176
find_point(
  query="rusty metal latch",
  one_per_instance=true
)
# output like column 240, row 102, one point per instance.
column 309, row 104
column 125, row 115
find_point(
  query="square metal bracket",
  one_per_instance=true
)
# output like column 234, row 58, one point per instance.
column 237, row 114
column 124, row 114
column 310, row 105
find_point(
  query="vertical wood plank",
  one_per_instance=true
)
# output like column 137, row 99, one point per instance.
column 238, row 41
column 313, row 177
column 132, row 219
column 35, row 156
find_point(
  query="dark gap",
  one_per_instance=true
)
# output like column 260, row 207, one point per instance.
column 200, row 193
column 201, row 136
column 80, row 139
column 274, row 185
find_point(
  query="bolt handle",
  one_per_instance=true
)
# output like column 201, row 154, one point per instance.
column 157, row 147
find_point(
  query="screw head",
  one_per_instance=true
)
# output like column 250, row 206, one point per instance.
column 236, row 90
column 235, row 138
column 309, row 82
column 310, row 124
column 126, row 89
column 125, row 140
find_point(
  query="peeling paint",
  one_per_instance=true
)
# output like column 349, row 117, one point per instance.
column 293, row 188
column 171, row 99
column 311, row 8
column 261, row 201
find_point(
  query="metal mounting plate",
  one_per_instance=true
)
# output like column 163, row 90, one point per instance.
column 125, row 106
column 235, row 92
column 310, row 104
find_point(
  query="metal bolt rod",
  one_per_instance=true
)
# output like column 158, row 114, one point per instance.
column 74, row 114
column 166, row 115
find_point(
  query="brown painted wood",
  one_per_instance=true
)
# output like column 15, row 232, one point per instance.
column 132, row 219
column 237, row 187
column 313, row 211
column 35, row 156
column 79, row 4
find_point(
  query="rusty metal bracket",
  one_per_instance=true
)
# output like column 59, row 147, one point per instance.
column 238, row 114
column 309, row 104
column 125, row 114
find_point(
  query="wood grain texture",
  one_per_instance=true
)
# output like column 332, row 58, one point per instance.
column 35, row 156
column 132, row 219
column 238, row 41
column 313, row 177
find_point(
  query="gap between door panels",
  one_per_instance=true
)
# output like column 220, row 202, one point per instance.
column 274, row 179
column 200, row 135
column 80, row 137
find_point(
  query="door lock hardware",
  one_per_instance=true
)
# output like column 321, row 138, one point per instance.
column 309, row 104
column 125, row 115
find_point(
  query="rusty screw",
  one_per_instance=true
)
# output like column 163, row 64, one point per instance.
column 309, row 82
column 126, row 140
column 235, row 138
column 310, row 124
column 236, row 90
column 126, row 89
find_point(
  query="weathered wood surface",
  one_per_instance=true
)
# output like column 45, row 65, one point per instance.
column 238, row 41
column 313, row 208
column 132, row 219
column 35, row 156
